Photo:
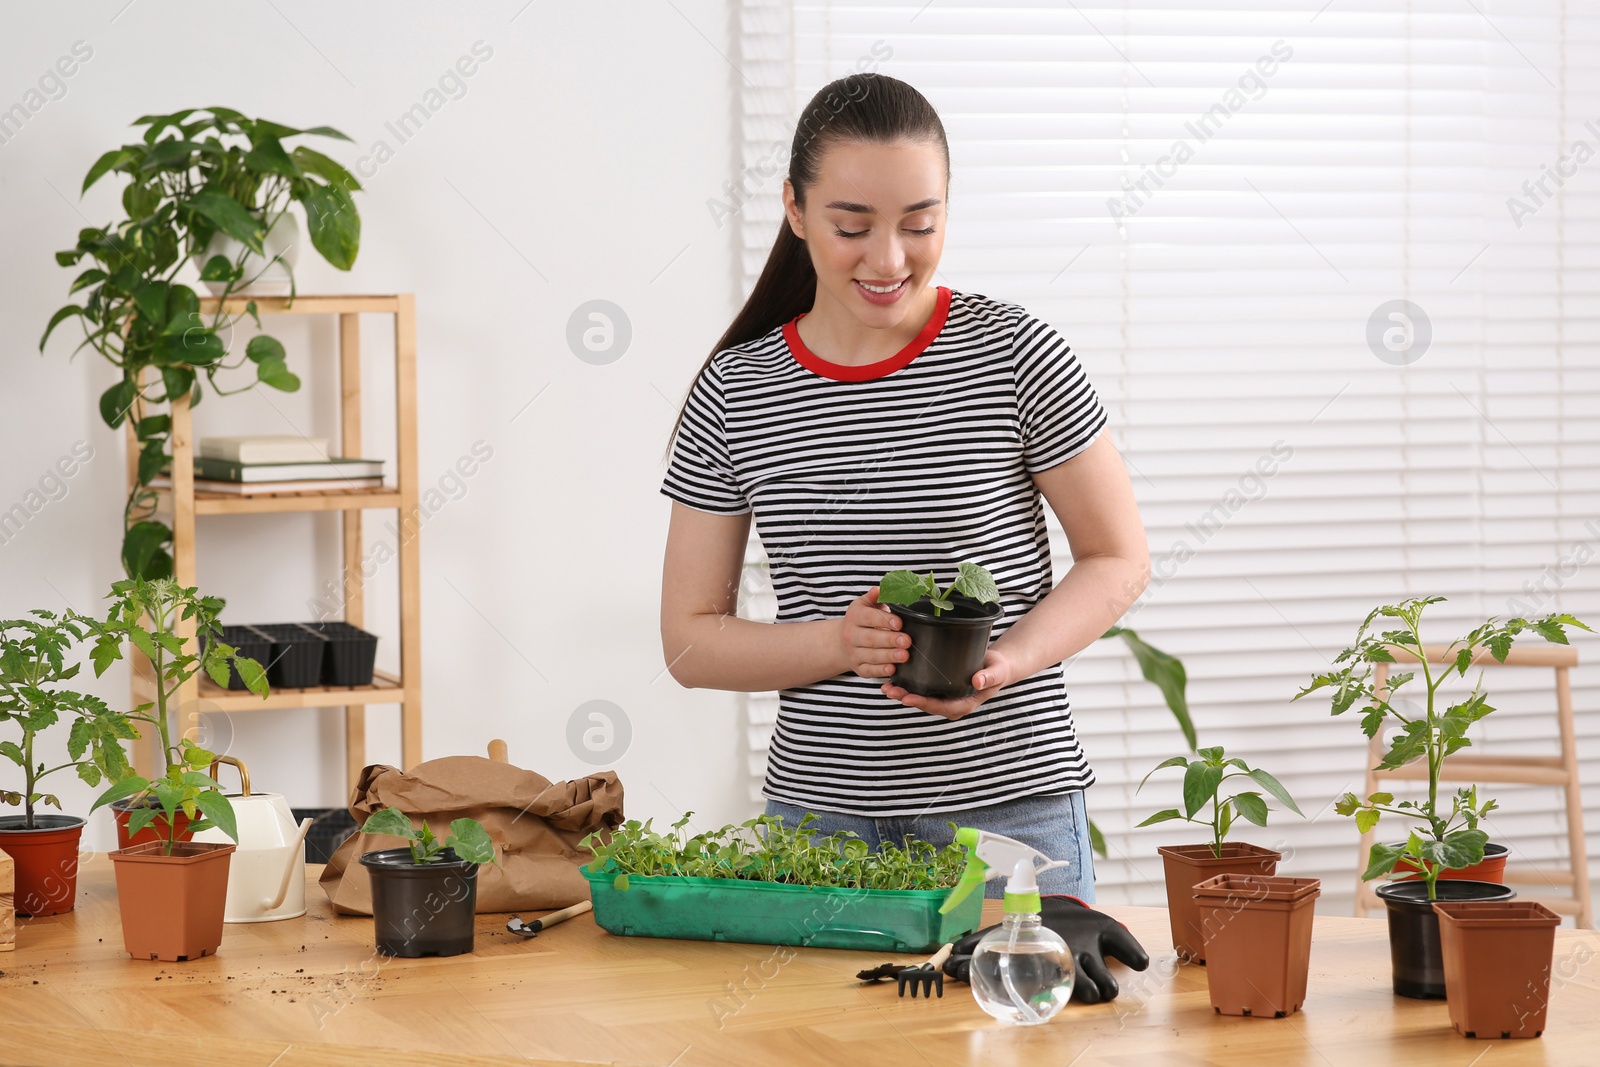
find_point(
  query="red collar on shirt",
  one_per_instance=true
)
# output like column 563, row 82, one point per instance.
column 841, row 372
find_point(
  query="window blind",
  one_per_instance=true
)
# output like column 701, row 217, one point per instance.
column 1335, row 275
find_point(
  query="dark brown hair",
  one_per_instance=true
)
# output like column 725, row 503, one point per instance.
column 869, row 108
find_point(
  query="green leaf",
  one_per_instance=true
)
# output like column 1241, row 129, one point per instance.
column 391, row 822
column 1275, row 787
column 1168, row 675
column 1200, row 783
column 122, row 789
column 107, row 162
column 1381, row 861
column 274, row 372
column 263, row 347
column 151, row 299
column 143, row 550
column 1347, row 804
column 141, row 818
column 334, row 224
column 976, row 582
column 152, row 426
column 269, row 157
column 115, row 402
column 177, row 381
column 1097, row 840
column 198, row 346
column 1166, row 815
column 314, row 162
column 470, row 841
column 219, row 810
column 87, row 278
column 253, row 674
column 229, row 216
column 166, row 153
column 11, row 751
column 1367, row 818
column 1175, row 761
column 1252, row 807
column 217, row 269
column 217, row 668
column 57, row 319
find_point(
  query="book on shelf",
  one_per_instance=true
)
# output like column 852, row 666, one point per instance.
column 324, row 485
column 259, row 448
column 228, row 470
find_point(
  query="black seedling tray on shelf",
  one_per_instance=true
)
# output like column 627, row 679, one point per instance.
column 249, row 642
column 295, row 661
column 351, row 652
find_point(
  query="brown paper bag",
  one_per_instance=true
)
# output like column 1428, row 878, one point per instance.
column 536, row 825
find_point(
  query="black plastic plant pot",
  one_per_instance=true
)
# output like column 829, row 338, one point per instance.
column 423, row 909
column 350, row 653
column 295, row 659
column 946, row 648
column 249, row 642
column 1414, row 951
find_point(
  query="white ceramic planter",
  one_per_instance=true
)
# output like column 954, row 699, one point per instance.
column 271, row 272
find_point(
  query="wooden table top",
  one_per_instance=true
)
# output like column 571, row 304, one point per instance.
column 311, row 991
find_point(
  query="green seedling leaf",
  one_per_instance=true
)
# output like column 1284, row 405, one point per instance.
column 1163, row 816
column 470, row 841
column 1200, row 784
column 976, row 582
column 391, row 822
column 1275, row 787
column 901, row 587
column 1381, row 861
column 1251, row 807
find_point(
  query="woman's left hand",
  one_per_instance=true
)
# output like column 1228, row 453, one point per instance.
column 991, row 677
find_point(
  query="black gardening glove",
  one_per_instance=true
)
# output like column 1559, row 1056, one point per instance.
column 1091, row 935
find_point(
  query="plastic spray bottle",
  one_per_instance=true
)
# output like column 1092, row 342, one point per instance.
column 1022, row 971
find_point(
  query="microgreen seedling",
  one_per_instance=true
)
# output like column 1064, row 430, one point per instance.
column 1452, row 839
column 1202, row 785
column 763, row 849
column 468, row 838
column 908, row 587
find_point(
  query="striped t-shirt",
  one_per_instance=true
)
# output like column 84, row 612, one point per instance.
column 917, row 461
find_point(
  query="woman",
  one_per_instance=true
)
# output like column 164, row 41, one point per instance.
column 871, row 420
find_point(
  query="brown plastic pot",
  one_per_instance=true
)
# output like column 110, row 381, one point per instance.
column 946, row 649
column 1497, row 956
column 1189, row 865
column 1258, row 941
column 46, row 861
column 122, row 811
column 1414, row 951
column 172, row 906
column 1492, row 869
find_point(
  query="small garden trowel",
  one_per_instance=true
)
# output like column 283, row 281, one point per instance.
column 522, row 929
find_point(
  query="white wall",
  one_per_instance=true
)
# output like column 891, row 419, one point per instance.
column 575, row 167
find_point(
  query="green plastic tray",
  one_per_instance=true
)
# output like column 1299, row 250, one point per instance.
column 771, row 913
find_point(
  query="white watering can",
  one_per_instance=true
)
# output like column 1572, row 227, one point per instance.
column 267, row 875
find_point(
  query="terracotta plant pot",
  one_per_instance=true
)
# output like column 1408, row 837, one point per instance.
column 172, row 906
column 46, row 859
column 1258, row 941
column 122, row 811
column 946, row 649
column 422, row 909
column 1414, row 952
column 1492, row 869
column 1497, row 957
column 1189, row 865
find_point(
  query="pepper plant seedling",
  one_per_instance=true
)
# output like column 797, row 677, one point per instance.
column 908, row 587
column 1202, row 785
column 1451, row 840
column 468, row 838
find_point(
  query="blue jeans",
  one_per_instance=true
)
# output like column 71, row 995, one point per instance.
column 1056, row 825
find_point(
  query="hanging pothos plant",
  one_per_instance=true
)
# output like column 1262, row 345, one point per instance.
column 196, row 173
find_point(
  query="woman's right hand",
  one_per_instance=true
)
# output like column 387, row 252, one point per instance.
column 872, row 642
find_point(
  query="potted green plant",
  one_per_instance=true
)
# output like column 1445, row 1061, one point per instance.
column 1188, row 865
column 1445, row 839
column 949, row 628
column 425, row 895
column 766, row 883
column 172, row 892
column 34, row 662
column 199, row 179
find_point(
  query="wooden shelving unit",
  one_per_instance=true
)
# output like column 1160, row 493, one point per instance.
column 182, row 505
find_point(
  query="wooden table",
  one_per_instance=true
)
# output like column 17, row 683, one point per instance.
column 311, row 991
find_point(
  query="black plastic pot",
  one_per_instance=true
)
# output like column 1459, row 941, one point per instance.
column 349, row 653
column 249, row 642
column 295, row 658
column 1414, row 952
column 946, row 649
column 329, row 828
column 422, row 909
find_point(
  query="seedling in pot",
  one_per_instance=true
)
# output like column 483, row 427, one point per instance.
column 909, row 587
column 1202, row 785
column 468, row 839
column 1446, row 840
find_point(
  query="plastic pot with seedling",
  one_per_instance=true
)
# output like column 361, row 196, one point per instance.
column 1188, row 865
column 425, row 895
column 949, row 628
